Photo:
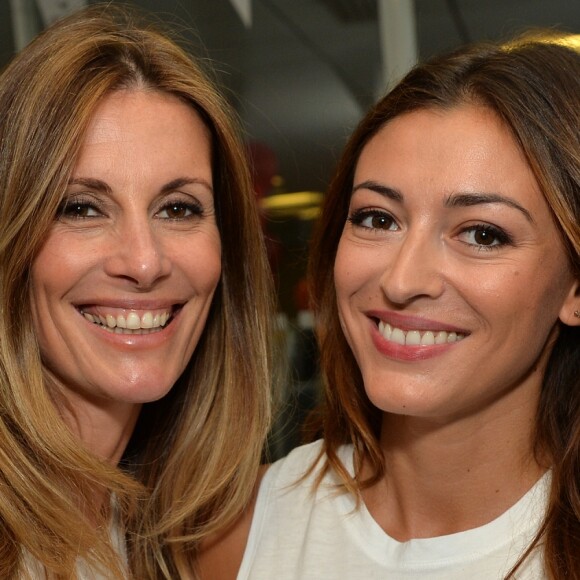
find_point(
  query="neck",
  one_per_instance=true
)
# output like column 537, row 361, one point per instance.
column 448, row 476
column 103, row 427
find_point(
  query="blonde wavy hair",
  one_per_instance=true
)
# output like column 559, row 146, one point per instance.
column 192, row 460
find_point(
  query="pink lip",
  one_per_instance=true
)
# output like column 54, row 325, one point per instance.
column 407, row 322
column 401, row 352
column 407, row 353
column 130, row 304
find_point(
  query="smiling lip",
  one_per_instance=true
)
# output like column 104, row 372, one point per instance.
column 132, row 320
column 411, row 338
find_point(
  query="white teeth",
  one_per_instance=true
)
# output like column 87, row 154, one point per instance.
column 397, row 336
column 132, row 323
column 428, row 338
column 415, row 337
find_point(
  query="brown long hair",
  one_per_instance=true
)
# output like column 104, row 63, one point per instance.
column 191, row 463
column 533, row 85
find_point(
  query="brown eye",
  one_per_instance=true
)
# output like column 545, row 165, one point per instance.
column 378, row 220
column 179, row 211
column 484, row 237
column 77, row 210
column 176, row 211
column 374, row 220
column 381, row 222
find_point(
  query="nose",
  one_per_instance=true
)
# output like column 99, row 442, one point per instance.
column 414, row 269
column 138, row 255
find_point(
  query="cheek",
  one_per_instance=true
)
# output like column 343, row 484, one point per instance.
column 50, row 273
column 357, row 269
column 521, row 302
column 356, row 276
column 62, row 261
column 343, row 282
column 214, row 273
column 346, row 270
column 342, row 275
column 202, row 263
column 46, row 269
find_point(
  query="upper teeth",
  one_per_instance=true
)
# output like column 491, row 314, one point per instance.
column 417, row 337
column 130, row 320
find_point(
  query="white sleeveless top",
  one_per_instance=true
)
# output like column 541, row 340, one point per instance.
column 304, row 533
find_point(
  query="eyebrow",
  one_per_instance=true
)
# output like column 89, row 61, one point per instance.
column 455, row 200
column 91, row 183
column 101, row 186
column 181, row 181
column 469, row 199
column 389, row 192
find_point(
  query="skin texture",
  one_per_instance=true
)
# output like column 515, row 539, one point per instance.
column 448, row 231
column 137, row 232
column 221, row 556
column 426, row 267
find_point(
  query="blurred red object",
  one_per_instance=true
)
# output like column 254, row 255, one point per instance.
column 264, row 166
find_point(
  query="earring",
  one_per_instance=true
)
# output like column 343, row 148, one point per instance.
column 577, row 313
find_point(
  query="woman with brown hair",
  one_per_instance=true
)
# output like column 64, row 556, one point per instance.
column 446, row 281
column 134, row 310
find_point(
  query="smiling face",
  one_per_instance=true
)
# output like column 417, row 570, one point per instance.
column 122, row 287
column 450, row 273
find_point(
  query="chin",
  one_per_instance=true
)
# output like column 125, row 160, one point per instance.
column 408, row 402
column 143, row 393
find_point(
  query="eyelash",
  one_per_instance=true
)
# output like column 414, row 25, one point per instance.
column 195, row 209
column 72, row 208
column 499, row 235
column 358, row 217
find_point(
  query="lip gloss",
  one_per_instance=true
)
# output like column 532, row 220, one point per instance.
column 404, row 352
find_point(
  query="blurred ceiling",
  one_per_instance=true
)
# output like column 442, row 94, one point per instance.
column 302, row 74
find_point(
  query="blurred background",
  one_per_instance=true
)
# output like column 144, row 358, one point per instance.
column 301, row 73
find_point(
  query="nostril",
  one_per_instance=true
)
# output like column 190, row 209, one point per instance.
column 139, row 263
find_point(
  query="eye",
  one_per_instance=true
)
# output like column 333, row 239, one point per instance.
column 78, row 208
column 178, row 210
column 485, row 236
column 373, row 219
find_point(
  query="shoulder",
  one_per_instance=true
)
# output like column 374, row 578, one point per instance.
column 297, row 464
column 289, row 489
column 220, row 556
column 300, row 510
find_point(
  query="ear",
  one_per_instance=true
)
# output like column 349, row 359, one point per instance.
column 570, row 311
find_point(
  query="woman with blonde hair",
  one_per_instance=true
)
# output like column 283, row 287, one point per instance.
column 134, row 309
column 446, row 282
